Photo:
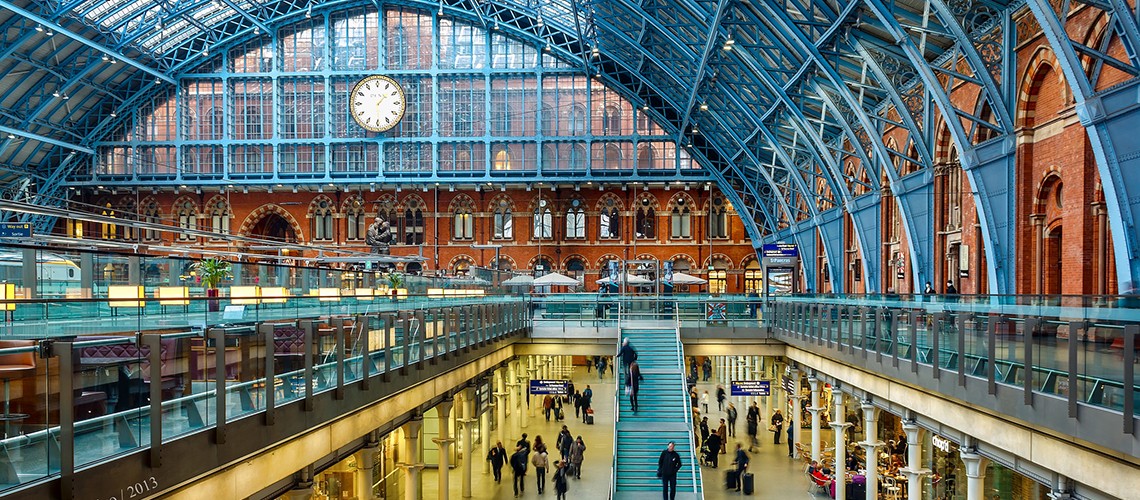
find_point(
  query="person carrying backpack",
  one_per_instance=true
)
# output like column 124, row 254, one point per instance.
column 518, row 466
column 561, row 484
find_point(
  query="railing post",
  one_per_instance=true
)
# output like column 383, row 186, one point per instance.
column 387, row 331
column 219, row 337
column 154, row 342
column 962, row 348
column 406, row 324
column 913, row 330
column 338, row 391
column 66, row 354
column 1027, row 343
column 1072, row 377
column 1130, row 332
column 866, row 342
column 991, row 352
column 309, row 348
column 267, row 330
column 364, row 321
column 935, row 337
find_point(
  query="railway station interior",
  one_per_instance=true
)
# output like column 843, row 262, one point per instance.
column 345, row 249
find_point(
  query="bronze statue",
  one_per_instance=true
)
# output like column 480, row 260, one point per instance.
column 379, row 236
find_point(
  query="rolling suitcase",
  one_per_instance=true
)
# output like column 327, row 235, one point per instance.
column 590, row 417
column 749, row 483
column 730, row 478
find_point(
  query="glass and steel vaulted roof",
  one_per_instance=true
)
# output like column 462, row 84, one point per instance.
column 784, row 102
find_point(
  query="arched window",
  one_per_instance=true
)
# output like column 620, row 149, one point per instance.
column 575, row 268
column 542, row 266
column 718, row 218
column 613, row 156
column 413, row 222
column 646, row 223
column 321, row 220
column 386, row 209
column 754, row 277
column 645, row 156
column 577, row 121
column 356, row 223
column 543, row 221
column 575, row 220
column 502, row 160
column 577, row 157
column 187, row 216
column 611, row 120
column 504, row 223
column 681, row 220
column 220, row 218
column 151, row 216
column 214, row 120
column 463, row 220
column 718, row 276
column 252, row 122
column 609, row 223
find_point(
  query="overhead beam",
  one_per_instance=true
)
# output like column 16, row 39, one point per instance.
column 85, row 41
column 45, row 139
column 243, row 13
column 710, row 48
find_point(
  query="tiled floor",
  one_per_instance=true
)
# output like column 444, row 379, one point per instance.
column 776, row 475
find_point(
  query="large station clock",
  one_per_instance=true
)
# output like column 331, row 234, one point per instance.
column 377, row 103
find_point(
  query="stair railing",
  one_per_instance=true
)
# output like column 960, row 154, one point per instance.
column 695, row 468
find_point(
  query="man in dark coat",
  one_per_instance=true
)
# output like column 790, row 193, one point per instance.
column 713, row 444
column 667, row 467
column 635, row 379
column 518, row 466
column 563, row 443
column 753, row 420
column 720, row 397
column 741, row 465
column 498, row 457
column 628, row 355
column 777, row 424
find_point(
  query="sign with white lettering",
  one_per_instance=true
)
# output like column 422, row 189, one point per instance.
column 15, row 230
column 941, row 443
column 751, row 387
column 548, row 387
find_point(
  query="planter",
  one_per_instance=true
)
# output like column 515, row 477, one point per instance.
column 213, row 304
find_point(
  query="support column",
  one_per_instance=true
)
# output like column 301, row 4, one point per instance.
column 1039, row 250
column 467, row 422
column 485, row 436
column 975, row 473
column 1063, row 489
column 815, row 411
column 839, row 426
column 913, row 470
column 443, row 442
column 532, row 374
column 366, row 461
column 513, row 389
column 501, row 402
column 871, row 446
column 794, row 414
column 412, row 454
column 304, row 488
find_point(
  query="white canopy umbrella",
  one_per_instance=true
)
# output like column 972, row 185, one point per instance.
column 555, row 279
column 520, row 280
column 680, row 278
column 630, row 279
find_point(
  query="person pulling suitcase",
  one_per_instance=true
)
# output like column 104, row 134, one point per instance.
column 741, row 466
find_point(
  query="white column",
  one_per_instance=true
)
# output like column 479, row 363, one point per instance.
column 412, row 454
column 840, row 428
column 531, row 372
column 443, row 442
column 871, row 446
column 1063, row 490
column 485, row 435
column 467, row 422
column 798, row 429
column 815, row 411
column 366, row 458
column 913, row 470
column 975, row 473
column 513, row 389
column 501, row 401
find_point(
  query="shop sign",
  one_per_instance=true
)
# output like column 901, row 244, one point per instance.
column 941, row 443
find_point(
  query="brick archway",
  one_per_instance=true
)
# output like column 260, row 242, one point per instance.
column 265, row 210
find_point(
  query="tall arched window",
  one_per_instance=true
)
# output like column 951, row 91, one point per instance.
column 215, row 121
column 108, row 230
column 543, row 221
column 575, row 220
column 753, row 277
column 611, row 120
column 577, row 157
column 549, row 120
column 577, row 121
column 356, row 223
column 463, row 220
column 219, row 217
column 613, row 156
column 575, row 268
column 646, row 223
column 502, row 160
column 718, row 218
column 187, row 216
column 718, row 276
column 151, row 216
column 645, row 156
column 504, row 223
column 413, row 222
column 681, row 220
column 321, row 220
column 609, row 223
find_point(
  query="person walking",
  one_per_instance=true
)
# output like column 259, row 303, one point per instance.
column 704, row 429
column 720, row 397
column 628, row 355
column 791, row 438
column 667, row 467
column 707, row 366
column 547, row 406
column 635, row 379
column 777, row 423
column 601, row 367
column 741, row 465
column 928, row 289
column 587, row 398
column 577, row 399
column 561, row 484
column 712, row 444
column 705, row 401
column 723, row 433
column 518, row 467
column 540, row 461
column 731, row 414
column 497, row 456
column 950, row 289
column 753, row 423
column 577, row 455
column 525, row 443
column 693, row 396
column 563, row 443
column 539, row 446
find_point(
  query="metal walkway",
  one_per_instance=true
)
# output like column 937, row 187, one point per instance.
column 663, row 415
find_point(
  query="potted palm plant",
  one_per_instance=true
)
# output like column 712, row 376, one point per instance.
column 395, row 283
column 211, row 272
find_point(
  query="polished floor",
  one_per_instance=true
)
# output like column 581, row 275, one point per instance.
column 776, row 475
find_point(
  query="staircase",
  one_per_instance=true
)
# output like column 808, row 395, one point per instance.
column 663, row 415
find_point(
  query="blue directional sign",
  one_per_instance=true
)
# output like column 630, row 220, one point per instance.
column 15, row 230
column 780, row 250
column 751, row 388
column 548, row 387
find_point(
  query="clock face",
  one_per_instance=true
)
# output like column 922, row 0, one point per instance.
column 377, row 103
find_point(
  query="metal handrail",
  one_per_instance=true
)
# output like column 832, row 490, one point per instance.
column 688, row 410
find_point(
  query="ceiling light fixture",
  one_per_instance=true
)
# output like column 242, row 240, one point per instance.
column 49, row 32
column 11, row 136
column 704, row 106
column 114, row 114
column 729, row 43
column 309, row 11
column 106, row 58
column 40, row 28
